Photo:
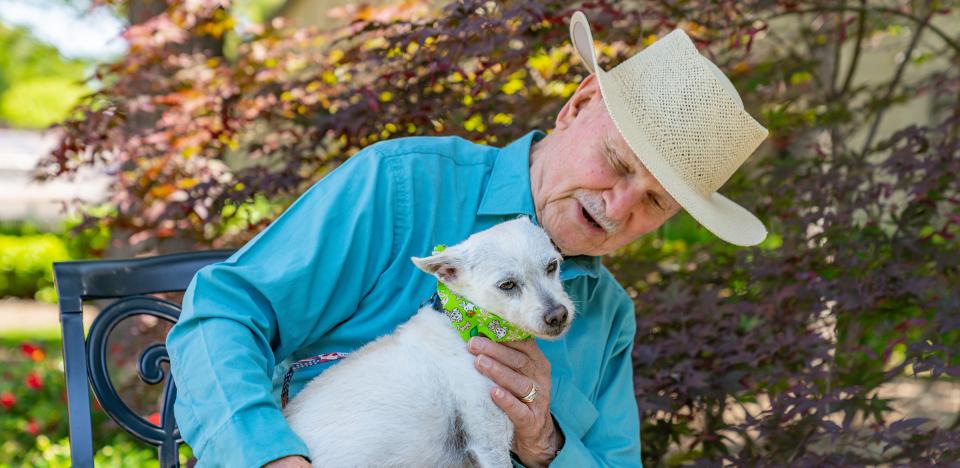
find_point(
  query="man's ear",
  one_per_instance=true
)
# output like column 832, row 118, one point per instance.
column 442, row 265
column 589, row 89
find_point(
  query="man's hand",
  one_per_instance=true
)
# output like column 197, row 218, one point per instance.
column 516, row 367
column 293, row 461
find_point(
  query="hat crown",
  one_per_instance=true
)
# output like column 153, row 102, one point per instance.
column 687, row 112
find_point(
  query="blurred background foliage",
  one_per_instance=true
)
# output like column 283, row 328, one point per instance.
column 27, row 253
column 38, row 86
column 33, row 398
column 791, row 353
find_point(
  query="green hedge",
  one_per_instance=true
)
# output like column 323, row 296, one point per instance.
column 27, row 254
column 26, row 265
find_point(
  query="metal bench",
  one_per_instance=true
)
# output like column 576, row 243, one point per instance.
column 128, row 282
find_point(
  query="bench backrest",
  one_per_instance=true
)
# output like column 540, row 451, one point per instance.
column 84, row 360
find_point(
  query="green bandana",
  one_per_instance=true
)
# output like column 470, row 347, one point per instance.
column 469, row 320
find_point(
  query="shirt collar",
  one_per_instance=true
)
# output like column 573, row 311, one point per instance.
column 508, row 189
column 508, row 193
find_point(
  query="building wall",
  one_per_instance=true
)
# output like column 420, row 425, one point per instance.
column 22, row 198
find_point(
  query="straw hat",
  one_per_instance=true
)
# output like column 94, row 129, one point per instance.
column 685, row 121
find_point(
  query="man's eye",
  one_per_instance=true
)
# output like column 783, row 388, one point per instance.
column 656, row 201
column 507, row 285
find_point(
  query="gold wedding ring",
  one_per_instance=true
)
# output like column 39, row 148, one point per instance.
column 529, row 397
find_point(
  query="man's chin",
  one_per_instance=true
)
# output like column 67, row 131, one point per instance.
column 566, row 248
column 572, row 242
column 582, row 245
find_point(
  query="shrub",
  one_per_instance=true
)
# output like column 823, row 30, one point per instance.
column 27, row 254
column 26, row 265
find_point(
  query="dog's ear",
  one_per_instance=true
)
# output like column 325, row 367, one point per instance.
column 442, row 265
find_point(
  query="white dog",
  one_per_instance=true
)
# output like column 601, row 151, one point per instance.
column 414, row 398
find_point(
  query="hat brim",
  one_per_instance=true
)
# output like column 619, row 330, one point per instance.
column 717, row 213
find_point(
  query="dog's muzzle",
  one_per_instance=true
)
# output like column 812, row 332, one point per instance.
column 555, row 319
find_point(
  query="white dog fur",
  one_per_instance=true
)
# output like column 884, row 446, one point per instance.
column 414, row 398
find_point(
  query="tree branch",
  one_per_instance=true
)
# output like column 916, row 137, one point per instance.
column 835, row 66
column 856, row 50
column 920, row 21
column 894, row 82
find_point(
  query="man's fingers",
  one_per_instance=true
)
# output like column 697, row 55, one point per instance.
column 528, row 347
column 518, row 412
column 513, row 358
column 511, row 380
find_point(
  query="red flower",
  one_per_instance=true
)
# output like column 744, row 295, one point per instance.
column 27, row 349
column 34, row 381
column 8, row 400
column 33, row 428
column 154, row 418
column 33, row 352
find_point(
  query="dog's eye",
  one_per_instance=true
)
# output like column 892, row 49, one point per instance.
column 552, row 267
column 507, row 285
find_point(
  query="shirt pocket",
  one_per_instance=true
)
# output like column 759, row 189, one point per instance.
column 572, row 408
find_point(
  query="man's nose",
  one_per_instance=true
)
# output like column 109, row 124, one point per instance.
column 556, row 316
column 622, row 200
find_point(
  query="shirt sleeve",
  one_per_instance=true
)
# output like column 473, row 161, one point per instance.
column 614, row 438
column 311, row 267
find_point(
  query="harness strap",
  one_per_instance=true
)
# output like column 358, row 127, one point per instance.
column 310, row 361
column 433, row 301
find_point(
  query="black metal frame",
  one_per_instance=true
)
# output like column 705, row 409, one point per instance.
column 84, row 360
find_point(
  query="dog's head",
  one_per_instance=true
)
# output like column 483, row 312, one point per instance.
column 512, row 270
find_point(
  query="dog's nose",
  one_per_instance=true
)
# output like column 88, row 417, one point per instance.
column 556, row 316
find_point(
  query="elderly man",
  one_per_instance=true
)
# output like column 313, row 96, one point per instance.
column 660, row 132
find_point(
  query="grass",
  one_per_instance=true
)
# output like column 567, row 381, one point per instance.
column 45, row 335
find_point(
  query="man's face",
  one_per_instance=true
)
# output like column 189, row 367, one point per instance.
column 592, row 195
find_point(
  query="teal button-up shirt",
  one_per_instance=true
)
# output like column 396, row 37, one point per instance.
column 333, row 273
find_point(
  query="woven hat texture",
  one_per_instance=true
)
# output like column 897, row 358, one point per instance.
column 685, row 121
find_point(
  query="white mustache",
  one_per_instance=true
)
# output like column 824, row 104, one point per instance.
column 595, row 205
